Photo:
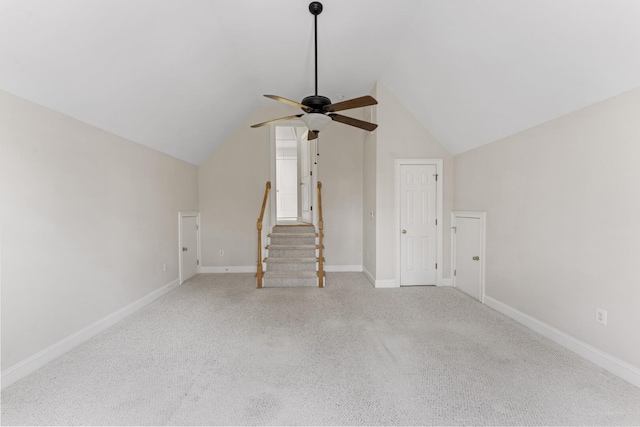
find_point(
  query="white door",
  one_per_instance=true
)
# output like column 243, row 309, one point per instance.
column 287, row 188
column 306, row 194
column 468, row 253
column 188, row 247
column 417, row 225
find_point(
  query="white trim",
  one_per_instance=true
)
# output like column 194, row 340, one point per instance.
column 272, row 165
column 612, row 364
column 230, row 269
column 199, row 257
column 446, row 282
column 313, row 154
column 438, row 163
column 379, row 283
column 38, row 360
column 482, row 216
column 369, row 276
column 391, row 283
column 343, row 268
column 273, row 178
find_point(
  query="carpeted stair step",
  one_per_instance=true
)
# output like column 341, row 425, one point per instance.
column 294, row 229
column 290, row 279
column 293, row 251
column 293, row 238
column 291, row 264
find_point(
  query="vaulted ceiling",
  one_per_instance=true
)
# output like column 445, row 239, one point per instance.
column 180, row 76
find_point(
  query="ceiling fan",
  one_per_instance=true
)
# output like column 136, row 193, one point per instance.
column 318, row 109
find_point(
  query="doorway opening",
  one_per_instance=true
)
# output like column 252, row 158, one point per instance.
column 293, row 173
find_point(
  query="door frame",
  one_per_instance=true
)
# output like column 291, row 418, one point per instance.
column 482, row 216
column 182, row 215
column 312, row 174
column 439, row 209
column 272, row 171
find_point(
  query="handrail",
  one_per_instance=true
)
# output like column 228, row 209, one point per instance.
column 259, row 273
column 320, row 235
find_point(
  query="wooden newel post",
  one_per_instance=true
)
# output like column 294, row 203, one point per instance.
column 259, row 266
column 321, row 258
column 320, row 236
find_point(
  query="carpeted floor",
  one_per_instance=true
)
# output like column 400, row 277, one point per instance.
column 218, row 351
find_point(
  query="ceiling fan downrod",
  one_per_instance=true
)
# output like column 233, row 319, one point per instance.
column 316, row 9
column 316, row 103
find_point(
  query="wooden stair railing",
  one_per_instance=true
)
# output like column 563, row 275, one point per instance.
column 259, row 272
column 320, row 236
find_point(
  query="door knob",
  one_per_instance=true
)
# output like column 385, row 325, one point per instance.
column 404, row 231
column 185, row 249
column 476, row 258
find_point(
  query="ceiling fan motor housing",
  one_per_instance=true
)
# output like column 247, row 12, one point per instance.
column 316, row 103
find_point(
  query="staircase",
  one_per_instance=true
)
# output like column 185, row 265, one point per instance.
column 293, row 255
column 294, row 258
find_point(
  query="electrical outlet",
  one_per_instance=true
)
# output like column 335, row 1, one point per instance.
column 601, row 316
column 164, row 267
column 221, row 253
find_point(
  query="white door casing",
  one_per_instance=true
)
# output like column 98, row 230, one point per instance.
column 304, row 160
column 468, row 252
column 272, row 160
column 418, row 225
column 188, row 244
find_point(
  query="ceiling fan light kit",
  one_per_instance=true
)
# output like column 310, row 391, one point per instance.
column 318, row 109
column 315, row 121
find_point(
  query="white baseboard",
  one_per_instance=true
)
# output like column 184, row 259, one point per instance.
column 391, row 283
column 229, row 269
column 29, row 365
column 369, row 276
column 616, row 366
column 446, row 282
column 379, row 283
column 343, row 268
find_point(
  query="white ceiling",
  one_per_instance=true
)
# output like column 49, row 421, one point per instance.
column 180, row 76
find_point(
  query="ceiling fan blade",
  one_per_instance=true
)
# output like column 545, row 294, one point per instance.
column 354, row 122
column 311, row 136
column 363, row 101
column 288, row 101
column 277, row 120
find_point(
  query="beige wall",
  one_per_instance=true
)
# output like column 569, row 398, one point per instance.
column 369, row 148
column 87, row 221
column 563, row 236
column 401, row 136
column 340, row 171
column 231, row 187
